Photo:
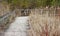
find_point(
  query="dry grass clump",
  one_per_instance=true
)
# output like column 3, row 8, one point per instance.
column 4, row 8
column 44, row 25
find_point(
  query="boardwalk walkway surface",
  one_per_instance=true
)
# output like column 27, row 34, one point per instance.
column 18, row 27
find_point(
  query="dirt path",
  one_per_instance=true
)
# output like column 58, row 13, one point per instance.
column 18, row 27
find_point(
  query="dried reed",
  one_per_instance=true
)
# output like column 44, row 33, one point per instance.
column 44, row 25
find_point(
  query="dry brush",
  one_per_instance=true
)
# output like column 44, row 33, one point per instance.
column 44, row 24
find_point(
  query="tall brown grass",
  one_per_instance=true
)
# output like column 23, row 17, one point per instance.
column 4, row 8
column 43, row 24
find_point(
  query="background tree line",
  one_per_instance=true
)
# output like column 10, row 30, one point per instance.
column 33, row 3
